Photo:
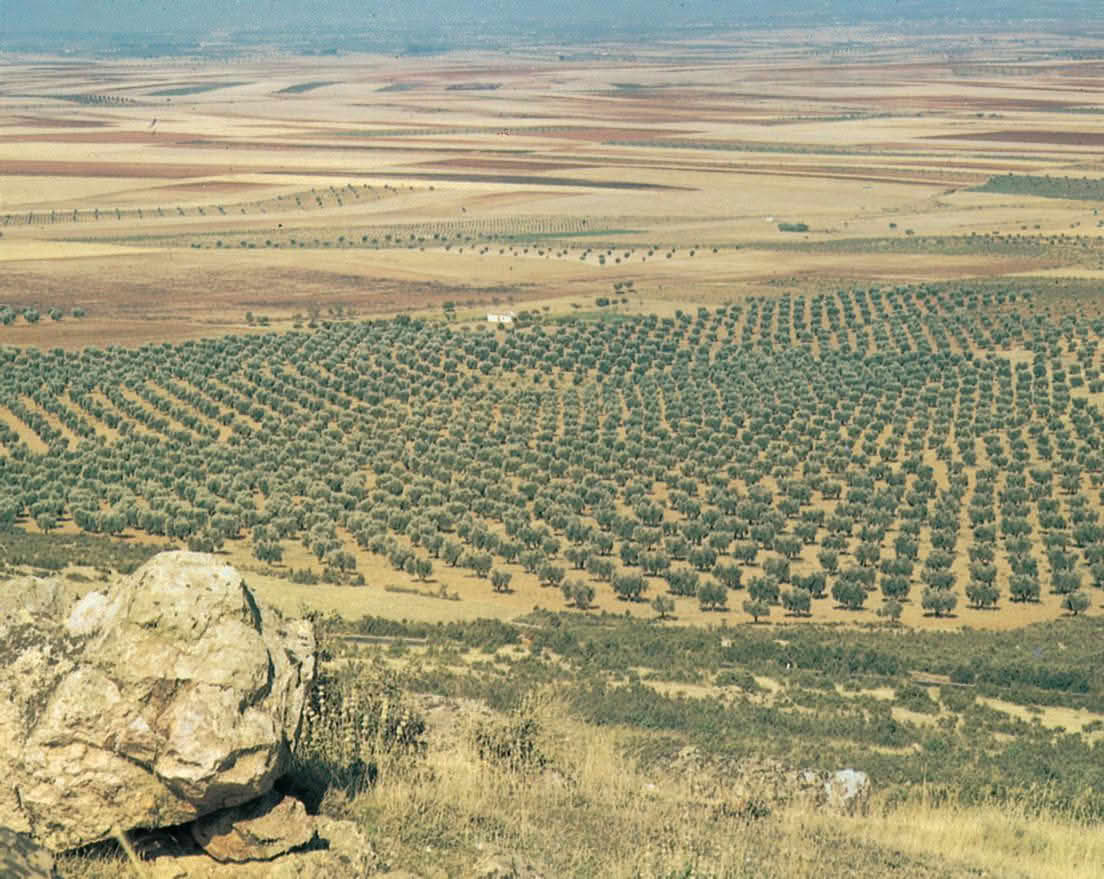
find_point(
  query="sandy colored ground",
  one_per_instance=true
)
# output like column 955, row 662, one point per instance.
column 477, row 599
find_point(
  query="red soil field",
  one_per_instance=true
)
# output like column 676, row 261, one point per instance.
column 52, row 122
column 175, row 139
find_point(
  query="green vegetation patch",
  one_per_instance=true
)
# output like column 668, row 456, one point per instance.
column 822, row 713
column 180, row 91
column 1078, row 188
column 52, row 552
column 1054, row 249
column 301, row 87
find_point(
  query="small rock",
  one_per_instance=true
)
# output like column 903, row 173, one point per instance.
column 848, row 791
column 255, row 831
column 22, row 858
column 343, row 852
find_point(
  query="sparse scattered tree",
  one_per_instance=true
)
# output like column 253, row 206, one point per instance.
column 1075, row 602
column 756, row 609
column 500, row 580
column 939, row 602
column 663, row 606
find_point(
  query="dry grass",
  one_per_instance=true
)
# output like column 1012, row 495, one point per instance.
column 1059, row 717
column 995, row 841
column 595, row 812
column 575, row 803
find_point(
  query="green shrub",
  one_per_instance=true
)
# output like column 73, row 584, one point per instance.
column 740, row 678
column 355, row 720
column 512, row 743
column 956, row 699
column 915, row 698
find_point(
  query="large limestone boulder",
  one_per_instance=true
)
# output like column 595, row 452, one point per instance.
column 170, row 695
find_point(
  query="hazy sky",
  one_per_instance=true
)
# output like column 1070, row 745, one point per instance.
column 212, row 15
column 130, row 16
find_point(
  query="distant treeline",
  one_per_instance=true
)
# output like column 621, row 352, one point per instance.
column 1081, row 188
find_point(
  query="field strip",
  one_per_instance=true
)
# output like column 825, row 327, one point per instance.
column 120, row 205
column 15, row 250
column 1070, row 272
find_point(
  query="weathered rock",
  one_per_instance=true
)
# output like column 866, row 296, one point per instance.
column 22, row 858
column 168, row 696
column 24, row 599
column 848, row 791
column 341, row 852
column 258, row 830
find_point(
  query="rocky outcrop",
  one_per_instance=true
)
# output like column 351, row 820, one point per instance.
column 22, row 858
column 29, row 598
column 170, row 695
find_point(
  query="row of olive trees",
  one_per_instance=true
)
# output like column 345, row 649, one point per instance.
column 32, row 315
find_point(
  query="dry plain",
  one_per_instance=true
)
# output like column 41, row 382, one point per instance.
column 156, row 194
